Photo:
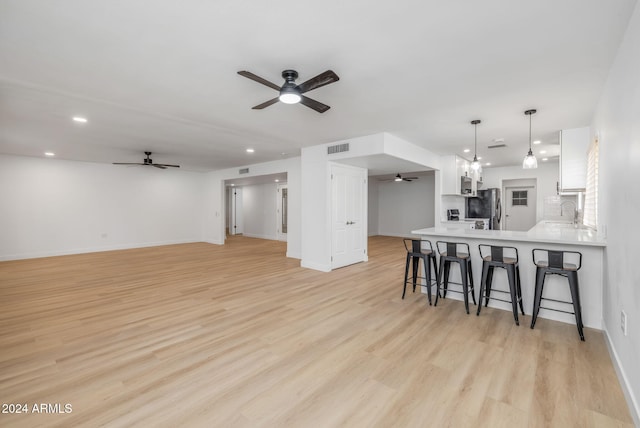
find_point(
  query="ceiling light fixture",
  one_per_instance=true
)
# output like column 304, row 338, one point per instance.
column 488, row 164
column 398, row 178
column 545, row 159
column 289, row 93
column 49, row 154
column 250, row 150
column 530, row 161
column 475, row 165
column 80, row 119
column 537, row 142
column 466, row 150
column 543, row 152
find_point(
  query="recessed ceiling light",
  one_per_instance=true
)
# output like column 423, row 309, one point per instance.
column 479, row 157
column 49, row 154
column 545, row 159
column 537, row 142
column 250, row 150
column 543, row 152
column 80, row 119
column 276, row 180
column 488, row 164
column 467, row 150
column 232, row 184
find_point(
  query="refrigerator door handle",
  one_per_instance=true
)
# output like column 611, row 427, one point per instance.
column 499, row 211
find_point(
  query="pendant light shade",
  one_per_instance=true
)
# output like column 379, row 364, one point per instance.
column 475, row 165
column 530, row 161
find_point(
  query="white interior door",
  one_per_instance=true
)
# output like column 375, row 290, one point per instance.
column 236, row 221
column 348, row 215
column 520, row 208
column 282, row 196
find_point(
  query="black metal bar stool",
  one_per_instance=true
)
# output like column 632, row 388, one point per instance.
column 449, row 252
column 493, row 257
column 416, row 252
column 555, row 264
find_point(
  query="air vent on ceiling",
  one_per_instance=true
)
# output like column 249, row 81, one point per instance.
column 497, row 146
column 338, row 148
column 243, row 171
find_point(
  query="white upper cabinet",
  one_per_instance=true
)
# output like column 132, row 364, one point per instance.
column 454, row 168
column 574, row 144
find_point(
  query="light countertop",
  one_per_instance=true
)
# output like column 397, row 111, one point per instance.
column 544, row 232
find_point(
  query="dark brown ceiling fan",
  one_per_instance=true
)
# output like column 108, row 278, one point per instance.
column 290, row 93
column 148, row 162
column 401, row 178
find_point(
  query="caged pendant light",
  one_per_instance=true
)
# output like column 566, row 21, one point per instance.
column 475, row 165
column 530, row 161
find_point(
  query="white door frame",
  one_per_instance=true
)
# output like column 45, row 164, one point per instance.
column 280, row 211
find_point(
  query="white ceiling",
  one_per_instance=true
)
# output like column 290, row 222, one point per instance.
column 162, row 75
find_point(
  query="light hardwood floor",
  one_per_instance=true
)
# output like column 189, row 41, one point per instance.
column 239, row 335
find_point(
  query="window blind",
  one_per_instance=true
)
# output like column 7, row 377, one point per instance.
column 590, row 217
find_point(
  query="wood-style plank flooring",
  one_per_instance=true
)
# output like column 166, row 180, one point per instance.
column 200, row 335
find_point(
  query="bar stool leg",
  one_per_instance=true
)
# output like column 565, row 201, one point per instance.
column 464, row 273
column 435, row 272
column 406, row 275
column 483, row 284
column 540, row 274
column 511, row 274
column 487, row 288
column 573, row 285
column 473, row 291
column 440, row 273
column 447, row 268
column 415, row 266
column 427, row 273
column 519, row 289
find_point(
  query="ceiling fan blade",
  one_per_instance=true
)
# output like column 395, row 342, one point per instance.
column 157, row 165
column 166, row 165
column 411, row 178
column 266, row 104
column 320, row 80
column 127, row 163
column 258, row 79
column 406, row 179
column 316, row 105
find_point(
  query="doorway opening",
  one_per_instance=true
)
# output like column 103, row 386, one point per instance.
column 520, row 204
column 254, row 207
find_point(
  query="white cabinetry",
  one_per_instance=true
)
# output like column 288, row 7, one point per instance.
column 574, row 144
column 453, row 169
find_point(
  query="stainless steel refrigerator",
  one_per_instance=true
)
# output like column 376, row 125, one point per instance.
column 486, row 204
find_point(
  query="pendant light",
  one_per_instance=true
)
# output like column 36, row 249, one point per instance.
column 475, row 165
column 530, row 160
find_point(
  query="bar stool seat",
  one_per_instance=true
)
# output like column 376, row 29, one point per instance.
column 455, row 252
column 554, row 264
column 496, row 258
column 416, row 251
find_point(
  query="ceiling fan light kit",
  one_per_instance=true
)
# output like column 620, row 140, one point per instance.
column 530, row 161
column 290, row 93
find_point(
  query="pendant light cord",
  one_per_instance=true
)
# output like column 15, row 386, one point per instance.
column 529, row 133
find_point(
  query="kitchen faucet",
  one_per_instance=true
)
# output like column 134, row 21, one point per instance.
column 575, row 211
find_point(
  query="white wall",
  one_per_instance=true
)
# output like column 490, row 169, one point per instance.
column 214, row 201
column 406, row 206
column 617, row 122
column 259, row 206
column 316, row 185
column 546, row 176
column 52, row 207
column 372, row 207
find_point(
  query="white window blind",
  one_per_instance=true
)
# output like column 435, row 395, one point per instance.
column 590, row 217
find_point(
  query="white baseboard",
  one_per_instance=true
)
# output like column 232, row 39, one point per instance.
column 316, row 266
column 40, row 254
column 624, row 381
column 293, row 255
column 259, row 236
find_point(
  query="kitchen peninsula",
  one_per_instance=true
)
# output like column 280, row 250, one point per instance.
column 546, row 235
